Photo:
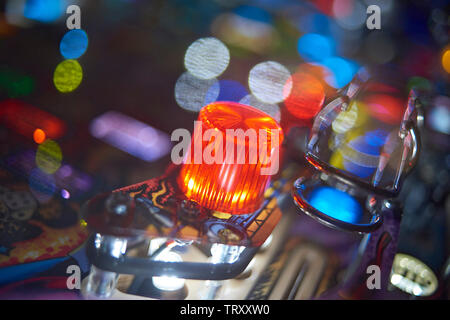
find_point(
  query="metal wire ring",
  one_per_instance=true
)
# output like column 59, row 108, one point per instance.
column 303, row 204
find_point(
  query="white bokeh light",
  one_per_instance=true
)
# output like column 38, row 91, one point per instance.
column 192, row 93
column 207, row 58
column 267, row 82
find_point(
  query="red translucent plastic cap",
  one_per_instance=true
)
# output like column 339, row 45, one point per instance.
column 233, row 155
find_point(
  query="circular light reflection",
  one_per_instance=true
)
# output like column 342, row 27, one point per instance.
column 446, row 61
column 267, row 82
column 39, row 136
column 230, row 90
column 48, row 156
column 73, row 44
column 207, row 58
column 192, row 93
column 354, row 17
column 44, row 10
column 68, row 75
column 315, row 47
column 341, row 71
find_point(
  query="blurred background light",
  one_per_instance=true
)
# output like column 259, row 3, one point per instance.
column 384, row 107
column 346, row 120
column 24, row 119
column 73, row 44
column 419, row 83
column 65, row 194
column 439, row 116
column 267, row 82
column 130, row 135
column 446, row 60
column 341, row 71
column 49, row 156
column 192, row 93
column 306, row 97
column 376, row 138
column 314, row 47
column 67, row 76
column 39, row 136
column 315, row 23
column 207, row 58
column 229, row 90
column 349, row 14
column 44, row 10
column 15, row 84
column 359, row 157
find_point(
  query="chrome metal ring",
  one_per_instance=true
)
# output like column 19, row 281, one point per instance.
column 303, row 204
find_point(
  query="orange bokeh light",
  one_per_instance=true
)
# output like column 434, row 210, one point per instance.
column 235, row 187
column 307, row 95
column 446, row 60
column 39, row 136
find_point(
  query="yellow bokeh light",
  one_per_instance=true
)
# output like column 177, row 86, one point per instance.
column 48, row 156
column 446, row 60
column 68, row 75
column 346, row 119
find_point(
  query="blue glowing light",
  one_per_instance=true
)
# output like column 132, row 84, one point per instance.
column 44, row 10
column 230, row 90
column 74, row 44
column 336, row 204
column 361, row 163
column 376, row 138
column 341, row 71
column 314, row 47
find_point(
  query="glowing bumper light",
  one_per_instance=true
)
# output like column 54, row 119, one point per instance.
column 233, row 182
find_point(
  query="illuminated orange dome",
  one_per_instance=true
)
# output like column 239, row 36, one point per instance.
column 228, row 168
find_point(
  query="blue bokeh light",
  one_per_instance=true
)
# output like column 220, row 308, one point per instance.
column 341, row 71
column 74, row 44
column 44, row 10
column 314, row 47
column 336, row 204
column 230, row 90
column 356, row 166
column 376, row 138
